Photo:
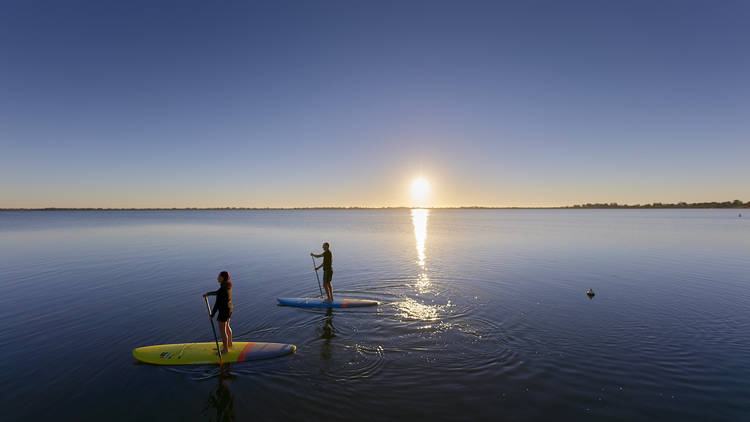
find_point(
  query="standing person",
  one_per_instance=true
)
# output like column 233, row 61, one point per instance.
column 327, row 266
column 224, row 307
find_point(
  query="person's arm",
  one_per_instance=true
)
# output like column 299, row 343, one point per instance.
column 316, row 256
column 213, row 294
column 222, row 297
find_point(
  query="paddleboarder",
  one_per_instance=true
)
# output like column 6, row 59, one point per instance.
column 224, row 307
column 327, row 270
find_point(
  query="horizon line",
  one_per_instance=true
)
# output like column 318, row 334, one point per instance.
column 706, row 205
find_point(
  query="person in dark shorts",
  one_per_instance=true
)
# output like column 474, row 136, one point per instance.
column 327, row 266
column 224, row 307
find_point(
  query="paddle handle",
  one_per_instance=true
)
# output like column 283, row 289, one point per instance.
column 216, row 339
column 316, row 275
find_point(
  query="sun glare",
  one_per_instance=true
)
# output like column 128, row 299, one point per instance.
column 420, row 188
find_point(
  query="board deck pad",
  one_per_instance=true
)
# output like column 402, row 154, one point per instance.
column 205, row 353
column 317, row 302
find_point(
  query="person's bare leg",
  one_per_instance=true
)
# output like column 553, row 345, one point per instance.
column 329, row 291
column 222, row 330
column 229, row 334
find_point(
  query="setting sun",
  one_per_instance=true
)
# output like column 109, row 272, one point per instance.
column 420, row 188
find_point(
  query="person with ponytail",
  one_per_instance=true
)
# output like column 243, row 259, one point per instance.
column 224, row 307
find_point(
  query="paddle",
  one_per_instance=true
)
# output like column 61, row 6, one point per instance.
column 316, row 275
column 213, row 329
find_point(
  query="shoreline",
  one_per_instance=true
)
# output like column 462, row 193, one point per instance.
column 573, row 207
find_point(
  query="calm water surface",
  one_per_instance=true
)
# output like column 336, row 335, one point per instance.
column 484, row 314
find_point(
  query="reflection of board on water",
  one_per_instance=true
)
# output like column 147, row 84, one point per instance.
column 221, row 399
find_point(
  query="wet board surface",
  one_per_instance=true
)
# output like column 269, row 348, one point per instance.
column 317, row 302
column 205, row 353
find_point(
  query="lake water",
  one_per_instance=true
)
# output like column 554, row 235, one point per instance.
column 484, row 314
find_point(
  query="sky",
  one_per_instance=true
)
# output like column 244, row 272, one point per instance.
column 328, row 103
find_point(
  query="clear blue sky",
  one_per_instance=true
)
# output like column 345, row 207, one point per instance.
column 315, row 103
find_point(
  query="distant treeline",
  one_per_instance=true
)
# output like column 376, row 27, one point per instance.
column 728, row 204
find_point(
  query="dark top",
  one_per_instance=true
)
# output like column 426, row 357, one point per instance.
column 223, row 299
column 327, row 261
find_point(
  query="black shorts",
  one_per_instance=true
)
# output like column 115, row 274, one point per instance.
column 327, row 276
column 224, row 315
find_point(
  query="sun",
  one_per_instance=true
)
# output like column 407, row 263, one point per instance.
column 420, row 189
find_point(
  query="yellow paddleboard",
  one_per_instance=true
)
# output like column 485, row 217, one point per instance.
column 205, row 353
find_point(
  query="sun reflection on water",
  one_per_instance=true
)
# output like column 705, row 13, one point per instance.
column 411, row 309
column 419, row 220
column 423, row 283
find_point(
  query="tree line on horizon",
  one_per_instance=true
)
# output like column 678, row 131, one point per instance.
column 727, row 204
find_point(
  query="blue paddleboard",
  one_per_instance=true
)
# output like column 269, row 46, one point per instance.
column 317, row 302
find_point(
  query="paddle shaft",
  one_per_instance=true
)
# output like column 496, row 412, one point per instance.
column 212, row 327
column 316, row 276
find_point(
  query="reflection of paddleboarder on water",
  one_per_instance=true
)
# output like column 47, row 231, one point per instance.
column 224, row 307
column 327, row 334
column 327, row 266
column 221, row 400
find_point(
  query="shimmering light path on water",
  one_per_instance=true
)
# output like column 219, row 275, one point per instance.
column 484, row 314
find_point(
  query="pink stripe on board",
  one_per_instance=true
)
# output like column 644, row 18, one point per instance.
column 245, row 351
